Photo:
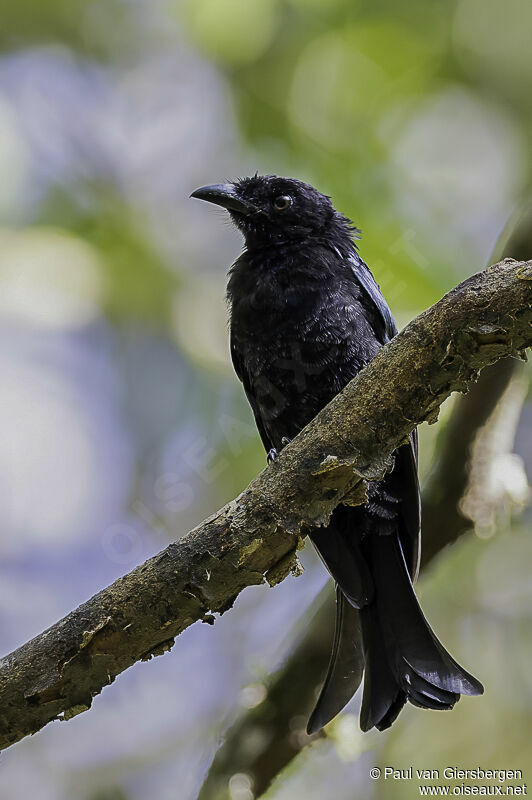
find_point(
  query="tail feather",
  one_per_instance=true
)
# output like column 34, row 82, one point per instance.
column 338, row 550
column 397, row 633
column 382, row 699
column 345, row 669
column 420, row 686
column 401, row 655
column 413, row 645
column 393, row 712
column 427, row 701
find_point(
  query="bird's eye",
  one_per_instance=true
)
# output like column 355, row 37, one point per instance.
column 282, row 202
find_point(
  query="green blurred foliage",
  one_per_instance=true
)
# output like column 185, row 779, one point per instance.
column 398, row 111
column 236, row 31
column 77, row 24
column 138, row 281
column 332, row 91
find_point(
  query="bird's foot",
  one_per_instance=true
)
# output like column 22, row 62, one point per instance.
column 272, row 455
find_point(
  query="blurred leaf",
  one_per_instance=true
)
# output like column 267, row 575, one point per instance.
column 82, row 24
column 492, row 40
column 235, row 31
column 139, row 284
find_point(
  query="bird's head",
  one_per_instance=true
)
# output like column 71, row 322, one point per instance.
column 269, row 209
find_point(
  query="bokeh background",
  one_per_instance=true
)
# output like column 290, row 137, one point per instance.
column 121, row 423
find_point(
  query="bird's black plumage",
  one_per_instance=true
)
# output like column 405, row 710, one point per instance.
column 306, row 316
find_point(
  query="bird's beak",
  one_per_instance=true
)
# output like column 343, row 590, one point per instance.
column 224, row 194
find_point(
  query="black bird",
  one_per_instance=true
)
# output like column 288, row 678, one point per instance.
column 306, row 316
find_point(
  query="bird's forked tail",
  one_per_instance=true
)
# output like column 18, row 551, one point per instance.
column 404, row 660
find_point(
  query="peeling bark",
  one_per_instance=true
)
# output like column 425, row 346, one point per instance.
column 255, row 537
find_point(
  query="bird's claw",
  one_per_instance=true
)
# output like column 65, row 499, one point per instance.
column 272, row 455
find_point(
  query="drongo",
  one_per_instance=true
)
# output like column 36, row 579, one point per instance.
column 306, row 317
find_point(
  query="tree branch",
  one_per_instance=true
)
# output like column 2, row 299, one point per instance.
column 264, row 739
column 273, row 724
column 443, row 519
column 277, row 725
column 255, row 537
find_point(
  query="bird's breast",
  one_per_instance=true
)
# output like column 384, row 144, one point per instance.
column 298, row 351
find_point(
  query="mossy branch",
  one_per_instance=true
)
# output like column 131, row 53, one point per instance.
column 255, row 537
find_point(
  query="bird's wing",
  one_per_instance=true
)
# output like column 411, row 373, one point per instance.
column 244, row 378
column 373, row 293
column 406, row 456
